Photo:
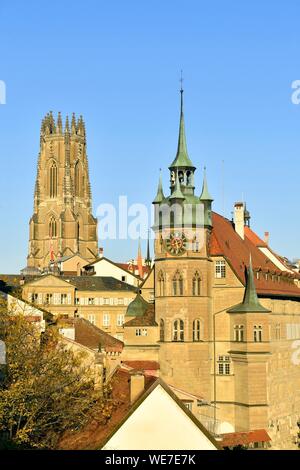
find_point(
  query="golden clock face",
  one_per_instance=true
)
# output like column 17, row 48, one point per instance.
column 176, row 243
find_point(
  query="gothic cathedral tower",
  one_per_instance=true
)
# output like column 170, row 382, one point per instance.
column 183, row 273
column 62, row 223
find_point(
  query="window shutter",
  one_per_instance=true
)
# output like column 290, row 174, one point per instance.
column 69, row 299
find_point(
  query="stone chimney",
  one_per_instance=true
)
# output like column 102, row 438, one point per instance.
column 267, row 238
column 239, row 218
column 137, row 384
column 100, row 252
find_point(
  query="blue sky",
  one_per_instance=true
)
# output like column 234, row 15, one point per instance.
column 118, row 63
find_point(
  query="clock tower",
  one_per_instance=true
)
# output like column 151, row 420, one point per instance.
column 183, row 273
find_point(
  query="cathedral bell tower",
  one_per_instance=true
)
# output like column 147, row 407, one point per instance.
column 183, row 273
column 62, row 223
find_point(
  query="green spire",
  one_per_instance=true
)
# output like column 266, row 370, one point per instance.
column 250, row 302
column 205, row 196
column 138, row 307
column 177, row 193
column 182, row 159
column 160, row 194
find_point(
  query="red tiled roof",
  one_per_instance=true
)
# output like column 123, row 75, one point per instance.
column 96, row 432
column 226, row 242
column 253, row 237
column 133, row 268
column 244, row 438
column 142, row 365
column 91, row 336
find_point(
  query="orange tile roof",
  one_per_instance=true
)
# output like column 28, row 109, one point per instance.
column 227, row 243
column 142, row 365
column 96, row 432
column 244, row 438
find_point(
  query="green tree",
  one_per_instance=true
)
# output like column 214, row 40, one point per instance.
column 47, row 388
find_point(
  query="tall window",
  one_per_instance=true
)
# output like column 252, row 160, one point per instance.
column 197, row 330
column 161, row 284
column 257, row 333
column 161, row 330
column 106, row 319
column 77, row 179
column 196, row 284
column 238, row 333
column 92, row 318
column 177, row 283
column 53, row 180
column 178, row 330
column 224, row 365
column 277, row 331
column 220, row 271
column 120, row 319
column 52, row 227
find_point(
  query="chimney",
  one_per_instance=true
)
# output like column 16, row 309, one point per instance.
column 267, row 237
column 137, row 384
column 101, row 252
column 239, row 218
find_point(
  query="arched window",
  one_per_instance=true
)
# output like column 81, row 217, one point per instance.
column 196, row 284
column 53, row 180
column 77, row 179
column 161, row 330
column 197, row 330
column 238, row 333
column 52, row 227
column 178, row 330
column 177, row 284
column 257, row 333
column 161, row 284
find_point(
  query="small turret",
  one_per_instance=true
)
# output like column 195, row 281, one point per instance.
column 207, row 200
column 73, row 124
column 160, row 193
column 59, row 127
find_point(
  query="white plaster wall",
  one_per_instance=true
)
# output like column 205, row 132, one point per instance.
column 104, row 268
column 159, row 424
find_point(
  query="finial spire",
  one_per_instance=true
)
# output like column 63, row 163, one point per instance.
column 182, row 159
column 148, row 259
column 250, row 303
column 160, row 193
column 205, row 195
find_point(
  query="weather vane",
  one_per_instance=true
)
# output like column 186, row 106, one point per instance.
column 181, row 82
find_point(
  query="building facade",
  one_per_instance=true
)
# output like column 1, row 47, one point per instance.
column 62, row 223
column 100, row 300
column 228, row 327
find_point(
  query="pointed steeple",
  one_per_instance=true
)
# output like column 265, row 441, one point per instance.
column 59, row 125
column 182, row 159
column 177, row 193
column 67, row 127
column 148, row 259
column 250, row 302
column 160, row 193
column 73, row 124
column 205, row 195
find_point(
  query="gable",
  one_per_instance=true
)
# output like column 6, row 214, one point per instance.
column 50, row 281
column 105, row 267
column 159, row 423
